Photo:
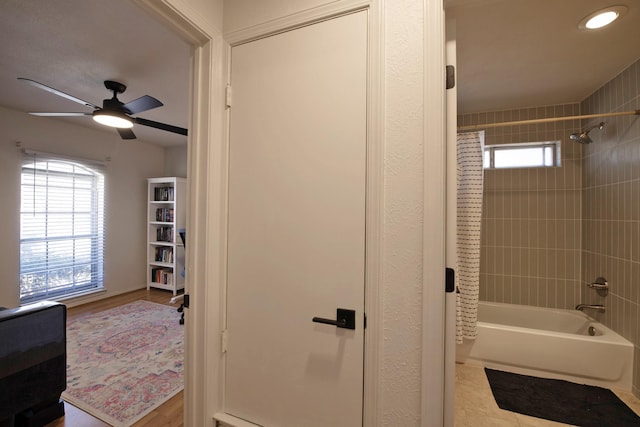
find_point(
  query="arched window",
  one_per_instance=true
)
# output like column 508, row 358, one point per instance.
column 61, row 228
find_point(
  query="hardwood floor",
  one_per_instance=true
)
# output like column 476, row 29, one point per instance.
column 169, row 414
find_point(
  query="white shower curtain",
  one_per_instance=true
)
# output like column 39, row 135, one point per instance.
column 469, row 214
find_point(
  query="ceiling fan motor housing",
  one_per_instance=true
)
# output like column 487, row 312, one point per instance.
column 114, row 104
column 115, row 87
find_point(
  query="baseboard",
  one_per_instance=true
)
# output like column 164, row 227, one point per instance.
column 97, row 296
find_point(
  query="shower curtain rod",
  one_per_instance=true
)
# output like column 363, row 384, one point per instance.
column 547, row 120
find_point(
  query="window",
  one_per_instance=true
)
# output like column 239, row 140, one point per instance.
column 526, row 155
column 61, row 228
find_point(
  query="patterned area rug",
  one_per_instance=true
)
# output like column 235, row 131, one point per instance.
column 124, row 362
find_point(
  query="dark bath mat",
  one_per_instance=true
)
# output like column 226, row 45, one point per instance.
column 560, row 401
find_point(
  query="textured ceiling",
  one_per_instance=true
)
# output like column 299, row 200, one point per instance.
column 511, row 53
column 74, row 45
column 524, row 53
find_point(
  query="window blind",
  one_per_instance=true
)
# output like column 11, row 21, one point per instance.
column 61, row 227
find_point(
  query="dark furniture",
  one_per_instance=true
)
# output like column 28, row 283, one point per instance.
column 33, row 364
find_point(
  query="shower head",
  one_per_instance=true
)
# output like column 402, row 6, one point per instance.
column 583, row 137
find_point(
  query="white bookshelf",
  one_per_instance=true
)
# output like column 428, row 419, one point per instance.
column 165, row 217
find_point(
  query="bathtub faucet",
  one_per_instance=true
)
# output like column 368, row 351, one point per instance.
column 597, row 307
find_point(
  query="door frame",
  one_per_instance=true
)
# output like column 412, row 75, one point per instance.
column 374, row 177
column 206, row 198
column 451, row 227
column 435, row 218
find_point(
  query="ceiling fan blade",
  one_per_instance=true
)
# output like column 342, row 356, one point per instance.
column 57, row 92
column 161, row 126
column 60, row 114
column 126, row 133
column 141, row 104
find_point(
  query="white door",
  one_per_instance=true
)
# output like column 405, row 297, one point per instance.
column 296, row 237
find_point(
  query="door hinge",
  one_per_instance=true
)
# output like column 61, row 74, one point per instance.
column 227, row 96
column 449, row 280
column 185, row 301
column 364, row 321
column 224, row 341
column 451, row 76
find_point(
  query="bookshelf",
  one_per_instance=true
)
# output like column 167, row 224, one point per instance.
column 165, row 218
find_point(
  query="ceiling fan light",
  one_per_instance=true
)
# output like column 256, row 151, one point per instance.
column 112, row 119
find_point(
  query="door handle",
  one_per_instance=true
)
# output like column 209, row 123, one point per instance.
column 345, row 319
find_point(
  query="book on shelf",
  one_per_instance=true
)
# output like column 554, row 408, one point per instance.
column 164, row 234
column 162, row 275
column 163, row 194
column 164, row 255
column 164, row 215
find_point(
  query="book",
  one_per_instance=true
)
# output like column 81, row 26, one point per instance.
column 163, row 194
column 164, row 234
column 164, row 214
column 164, row 255
column 162, row 275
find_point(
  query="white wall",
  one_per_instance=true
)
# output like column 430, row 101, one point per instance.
column 400, row 370
column 403, row 194
column 175, row 161
column 125, row 195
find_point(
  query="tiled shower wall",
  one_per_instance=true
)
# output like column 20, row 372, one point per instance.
column 547, row 232
column 531, row 241
column 611, row 206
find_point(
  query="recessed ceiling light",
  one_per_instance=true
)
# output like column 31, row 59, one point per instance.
column 602, row 18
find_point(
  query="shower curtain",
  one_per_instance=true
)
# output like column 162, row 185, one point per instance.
column 469, row 213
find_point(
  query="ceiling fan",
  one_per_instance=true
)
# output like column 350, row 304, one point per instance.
column 113, row 112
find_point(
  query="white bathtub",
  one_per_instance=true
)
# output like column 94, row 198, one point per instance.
column 550, row 343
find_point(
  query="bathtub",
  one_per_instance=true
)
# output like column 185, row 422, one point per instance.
column 549, row 343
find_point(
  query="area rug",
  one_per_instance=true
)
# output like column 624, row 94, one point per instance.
column 560, row 401
column 124, row 362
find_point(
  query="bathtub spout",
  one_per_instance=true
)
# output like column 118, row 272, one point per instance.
column 597, row 307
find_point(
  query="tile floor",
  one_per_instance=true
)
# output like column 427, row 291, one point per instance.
column 475, row 406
